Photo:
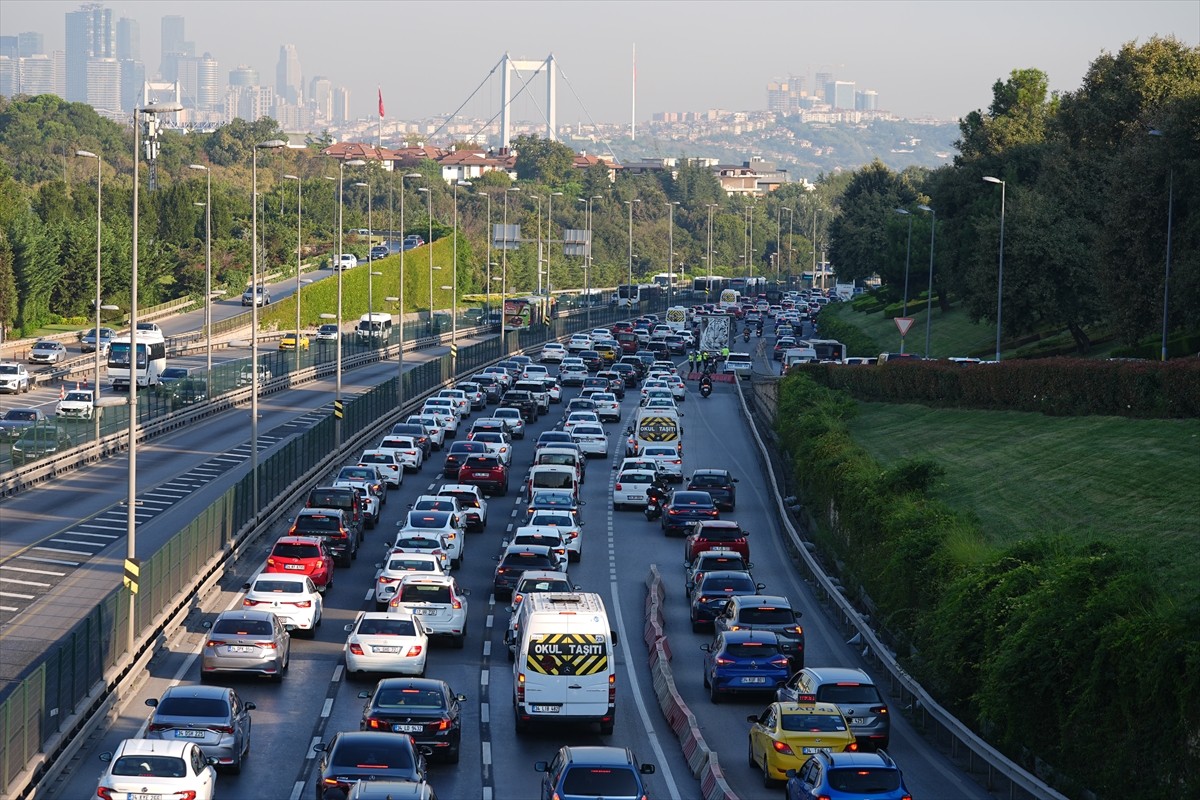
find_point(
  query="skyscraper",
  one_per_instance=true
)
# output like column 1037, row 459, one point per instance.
column 341, row 104
column 133, row 79
column 822, row 82
column 198, row 81
column 89, row 35
column 243, row 76
column 30, row 43
column 842, row 95
column 866, row 100
column 104, row 84
column 173, row 36
column 320, row 94
column 289, row 83
column 129, row 40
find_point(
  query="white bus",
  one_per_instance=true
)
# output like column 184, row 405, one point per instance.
column 151, row 359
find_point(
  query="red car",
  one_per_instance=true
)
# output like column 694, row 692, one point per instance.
column 717, row 534
column 485, row 471
column 302, row 555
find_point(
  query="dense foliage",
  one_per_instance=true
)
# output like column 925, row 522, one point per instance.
column 1071, row 658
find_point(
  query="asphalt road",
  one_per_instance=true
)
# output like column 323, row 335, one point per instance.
column 316, row 699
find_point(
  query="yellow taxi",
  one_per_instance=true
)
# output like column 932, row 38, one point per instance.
column 289, row 341
column 785, row 735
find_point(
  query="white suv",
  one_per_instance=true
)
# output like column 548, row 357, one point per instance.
column 437, row 600
column 14, row 377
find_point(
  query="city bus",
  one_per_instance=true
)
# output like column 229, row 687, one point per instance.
column 525, row 312
column 709, row 288
column 151, row 359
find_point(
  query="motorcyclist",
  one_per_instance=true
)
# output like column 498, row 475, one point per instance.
column 746, row 333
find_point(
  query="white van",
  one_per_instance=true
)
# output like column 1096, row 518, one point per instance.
column 567, row 456
column 552, row 476
column 654, row 426
column 677, row 317
column 374, row 327
column 565, row 666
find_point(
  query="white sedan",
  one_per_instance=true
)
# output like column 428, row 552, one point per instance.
column 668, row 458
column 553, row 353
column 406, row 449
column 608, row 407
column 576, row 418
column 382, row 642
column 389, row 464
column 76, row 404
column 591, row 438
column 437, row 523
column 395, row 567
column 156, row 768
column 579, row 342
column 292, row 598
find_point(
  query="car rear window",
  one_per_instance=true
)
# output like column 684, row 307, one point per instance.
column 329, row 499
column 751, row 650
column 387, row 627
column 482, row 462
column 317, row 523
column 411, row 565
column 285, row 587
column 425, row 593
column 721, row 584
column 554, row 480
column 600, row 782
column 243, row 627
column 434, row 519
column 813, row 722
column 374, row 755
column 146, row 766
column 286, row 550
column 526, row 561
column 410, row 698
column 708, row 480
column 193, row 707
column 465, row 499
column 864, row 780
column 715, row 533
column 766, row 616
column 848, row 693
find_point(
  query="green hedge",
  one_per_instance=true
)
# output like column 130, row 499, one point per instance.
column 1061, row 654
column 1179, row 345
column 1060, row 386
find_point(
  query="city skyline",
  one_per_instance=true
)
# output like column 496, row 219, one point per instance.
column 423, row 73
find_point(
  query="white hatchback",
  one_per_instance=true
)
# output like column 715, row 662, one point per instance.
column 565, row 522
column 552, row 353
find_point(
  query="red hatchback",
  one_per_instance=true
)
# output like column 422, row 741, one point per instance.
column 717, row 534
column 485, row 471
column 302, row 555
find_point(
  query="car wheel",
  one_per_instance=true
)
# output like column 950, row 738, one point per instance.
column 697, row 627
column 704, row 679
column 380, row 606
column 713, row 693
column 236, row 767
column 768, row 781
column 750, row 756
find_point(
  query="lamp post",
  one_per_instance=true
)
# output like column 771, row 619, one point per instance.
column 454, row 287
column 671, row 249
column 400, row 297
column 429, row 196
column 1000, row 275
column 99, row 221
column 538, row 198
column 1167, row 272
column 587, row 256
column 549, row 240
column 370, row 259
column 630, row 204
column 337, row 390
column 272, row 144
column 487, row 285
column 504, row 272
column 791, row 227
column 299, row 211
column 929, row 291
column 907, row 258
column 711, row 207
column 207, row 265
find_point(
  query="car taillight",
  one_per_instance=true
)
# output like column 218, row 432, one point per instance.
column 389, row 580
column 499, row 570
column 266, row 645
column 879, row 710
column 155, row 727
column 221, row 728
column 214, row 643
column 783, row 748
column 414, row 651
column 521, row 689
column 722, row 661
column 375, row 724
column 850, row 748
column 617, row 487
column 356, row 648
column 105, row 793
column 612, row 689
column 303, row 604
column 270, row 563
column 779, row 661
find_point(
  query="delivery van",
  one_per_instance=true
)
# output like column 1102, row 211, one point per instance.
column 565, row 667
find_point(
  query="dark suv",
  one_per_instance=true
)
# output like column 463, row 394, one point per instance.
column 525, row 401
column 343, row 498
column 765, row 612
column 331, row 525
column 593, row 772
column 718, row 483
column 418, row 433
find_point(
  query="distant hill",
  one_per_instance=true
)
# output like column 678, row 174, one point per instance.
column 807, row 150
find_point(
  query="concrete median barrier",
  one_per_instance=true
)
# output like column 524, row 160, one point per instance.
column 713, row 785
column 696, row 751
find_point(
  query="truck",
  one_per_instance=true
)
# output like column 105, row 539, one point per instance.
column 715, row 333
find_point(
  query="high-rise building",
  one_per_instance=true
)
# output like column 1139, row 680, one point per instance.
column 250, row 103
column 23, row 45
column 243, row 76
column 842, row 95
column 320, row 94
column 104, row 84
column 89, row 35
column 289, row 83
column 10, row 76
column 133, row 78
column 866, row 100
column 173, row 37
column 341, row 104
column 198, row 81
column 129, row 40
column 822, row 82
column 8, row 47
column 784, row 96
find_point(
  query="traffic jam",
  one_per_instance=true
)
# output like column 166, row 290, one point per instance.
column 613, row 397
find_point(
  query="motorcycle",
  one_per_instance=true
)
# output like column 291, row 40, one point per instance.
column 758, row 333
column 706, row 386
column 653, row 506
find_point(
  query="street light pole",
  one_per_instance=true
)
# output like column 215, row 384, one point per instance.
column 711, row 207
column 299, row 188
column 400, row 297
column 1000, row 276
column 272, row 144
column 907, row 257
column 929, row 290
column 207, row 267
column 671, row 249
column 429, row 196
column 538, row 198
column 549, row 248
column 1167, row 273
column 337, row 391
column 370, row 259
column 454, row 285
column 791, row 227
column 630, row 290
column 504, row 273
column 99, row 221
column 487, row 300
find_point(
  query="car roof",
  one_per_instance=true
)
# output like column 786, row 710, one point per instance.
column 712, row 471
column 771, row 600
column 196, row 690
column 824, row 675
column 161, row 747
column 743, row 636
column 298, row 539
column 245, row 613
column 598, row 754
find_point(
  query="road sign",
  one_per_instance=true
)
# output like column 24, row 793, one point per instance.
column 903, row 324
column 337, row 409
column 133, row 568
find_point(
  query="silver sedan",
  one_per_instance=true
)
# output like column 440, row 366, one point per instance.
column 246, row 641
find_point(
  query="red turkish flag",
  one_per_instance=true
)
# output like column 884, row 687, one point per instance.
column 380, row 102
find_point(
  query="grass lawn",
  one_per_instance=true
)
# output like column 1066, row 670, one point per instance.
column 1085, row 477
column 952, row 332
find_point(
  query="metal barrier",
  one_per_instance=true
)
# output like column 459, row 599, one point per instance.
column 63, row 695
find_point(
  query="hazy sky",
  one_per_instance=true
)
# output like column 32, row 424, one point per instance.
column 923, row 58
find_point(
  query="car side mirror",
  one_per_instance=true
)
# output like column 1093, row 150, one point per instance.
column 735, row 480
column 246, row 586
column 760, row 585
column 319, row 747
column 646, row 769
column 612, row 635
column 465, row 592
column 541, row 766
column 706, row 648
column 152, row 702
column 348, row 628
column 364, row 694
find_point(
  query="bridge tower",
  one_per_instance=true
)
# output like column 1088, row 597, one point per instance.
column 511, row 64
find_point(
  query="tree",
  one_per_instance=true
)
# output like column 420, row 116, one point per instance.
column 859, row 234
column 543, row 161
column 8, row 287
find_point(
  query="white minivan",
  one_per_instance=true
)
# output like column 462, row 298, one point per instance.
column 565, row 667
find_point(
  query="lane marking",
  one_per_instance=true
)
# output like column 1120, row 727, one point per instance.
column 327, row 708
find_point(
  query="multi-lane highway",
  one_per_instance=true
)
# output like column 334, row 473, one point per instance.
column 316, row 699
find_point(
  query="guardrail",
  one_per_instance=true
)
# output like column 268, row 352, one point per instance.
column 980, row 756
column 46, row 714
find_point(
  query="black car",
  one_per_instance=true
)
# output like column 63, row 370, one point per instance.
column 718, row 483
column 597, row 382
column 424, row 708
column 40, row 441
column 684, row 508
column 342, row 498
column 634, row 363
column 458, row 453
column 417, row 432
column 592, row 360
column 553, row 439
column 490, row 385
column 715, row 590
column 188, row 391
column 353, row 756
column 525, row 401
column 516, row 562
column 628, row 372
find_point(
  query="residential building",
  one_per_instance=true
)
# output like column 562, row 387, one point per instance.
column 842, row 95
column 104, row 84
column 866, row 100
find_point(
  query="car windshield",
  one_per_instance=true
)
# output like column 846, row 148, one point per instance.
column 814, row 723
column 410, row 698
column 147, row 766
column 766, row 616
column 864, row 780
column 242, row 627
column 844, row 694
column 281, row 587
column 376, row 754
column 600, row 782
column 193, row 707
column 424, row 593
column 21, row 416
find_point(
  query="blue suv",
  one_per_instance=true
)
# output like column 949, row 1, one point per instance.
column 847, row 776
column 743, row 661
column 585, row 773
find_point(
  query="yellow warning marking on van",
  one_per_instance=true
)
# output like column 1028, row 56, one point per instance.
column 658, row 429
column 567, row 654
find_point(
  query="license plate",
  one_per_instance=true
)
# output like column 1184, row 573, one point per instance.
column 189, row 734
column 754, row 680
column 858, row 720
column 482, row 474
column 408, row 728
column 424, row 611
column 293, row 566
column 809, row 751
column 385, row 649
column 240, row 648
column 545, row 709
column 145, row 797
